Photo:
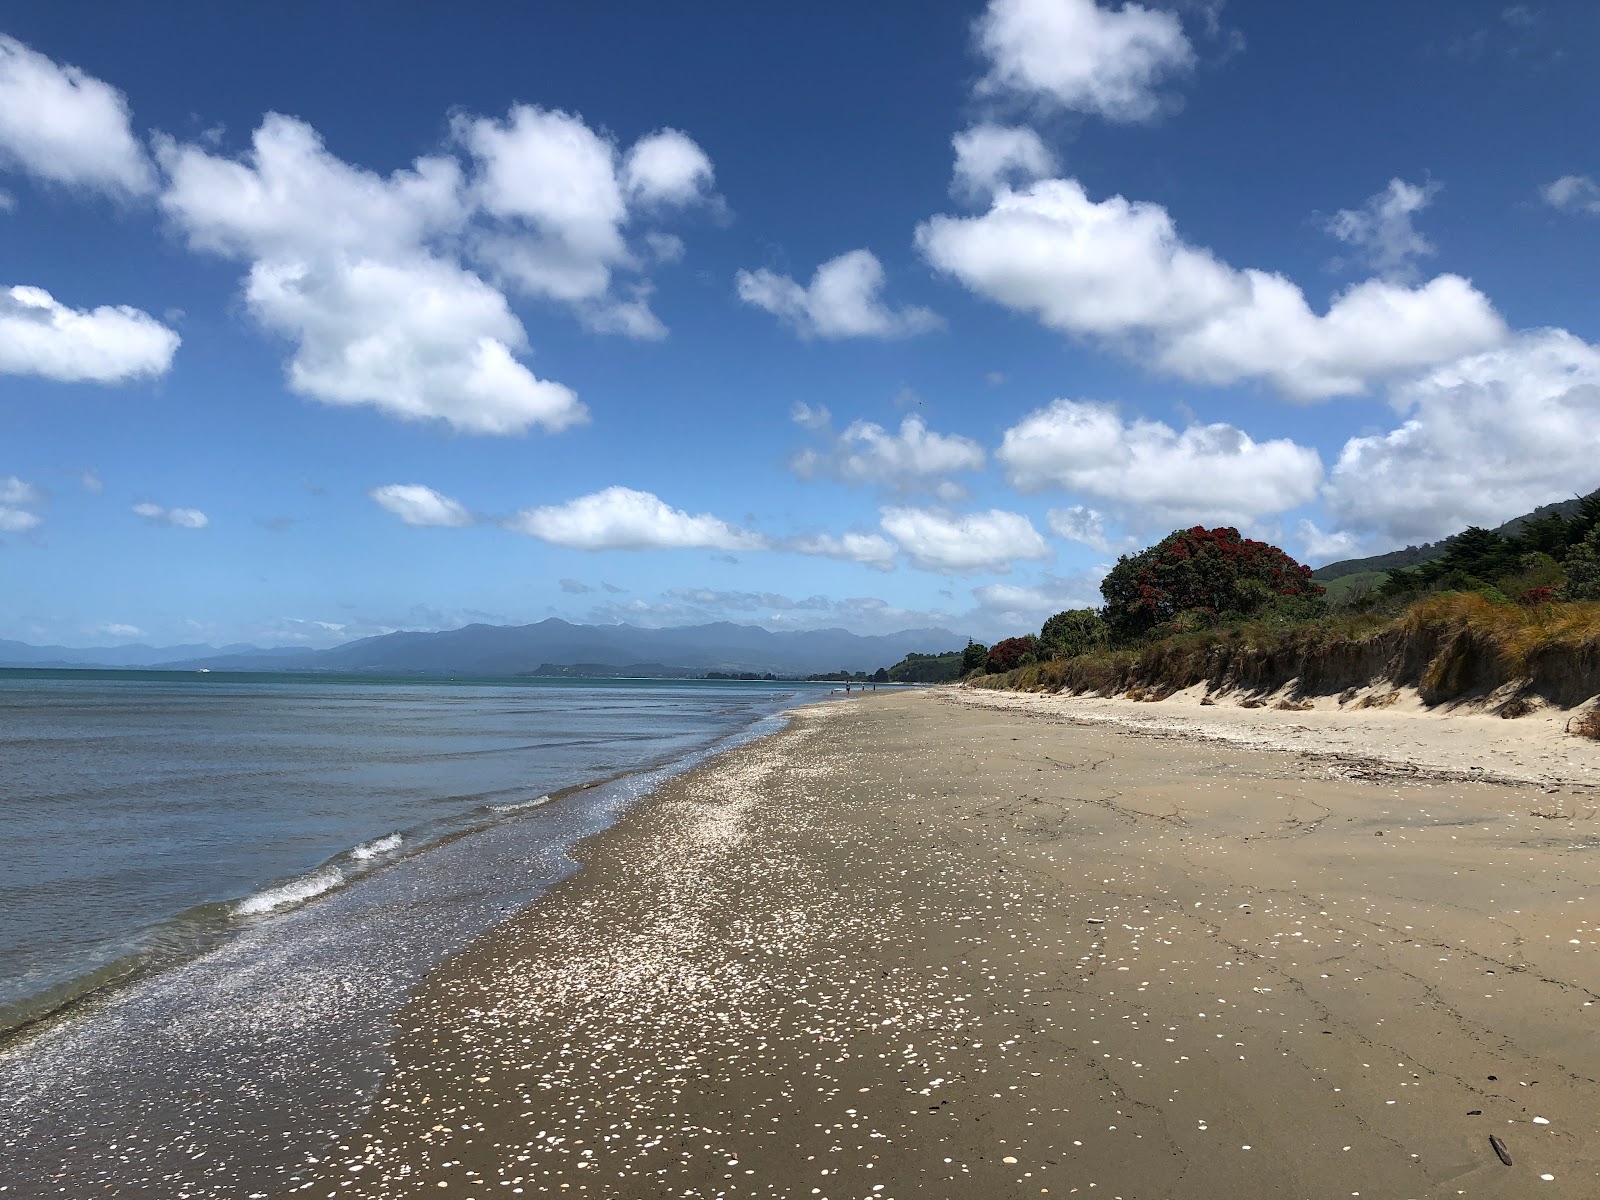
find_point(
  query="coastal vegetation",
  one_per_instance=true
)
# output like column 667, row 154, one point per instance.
column 1513, row 616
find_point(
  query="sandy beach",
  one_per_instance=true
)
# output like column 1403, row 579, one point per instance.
column 926, row 944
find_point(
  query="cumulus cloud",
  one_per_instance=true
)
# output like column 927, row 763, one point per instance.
column 990, row 157
column 1081, row 524
column 1573, row 194
column 66, row 127
column 418, row 505
column 177, row 518
column 1485, row 438
column 620, row 518
column 913, row 458
column 40, row 336
column 342, row 265
column 870, row 549
column 1076, row 55
column 963, row 543
column 563, row 195
column 843, row 300
column 1206, row 473
column 1381, row 233
column 1319, row 546
column 1119, row 271
column 17, row 502
column 668, row 167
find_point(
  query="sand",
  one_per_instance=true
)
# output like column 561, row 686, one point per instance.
column 914, row 946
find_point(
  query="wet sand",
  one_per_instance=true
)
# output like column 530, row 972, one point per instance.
column 909, row 947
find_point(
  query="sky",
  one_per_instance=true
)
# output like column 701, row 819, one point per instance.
column 318, row 322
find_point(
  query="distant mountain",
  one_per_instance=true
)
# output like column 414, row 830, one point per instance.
column 1413, row 555
column 20, row 654
column 525, row 649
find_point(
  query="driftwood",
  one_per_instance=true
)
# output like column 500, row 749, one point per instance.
column 1500, row 1149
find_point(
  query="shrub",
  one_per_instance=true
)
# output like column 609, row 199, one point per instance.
column 1012, row 653
column 1212, row 573
column 1073, row 632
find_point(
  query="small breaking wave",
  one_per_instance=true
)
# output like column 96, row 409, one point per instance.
column 376, row 847
column 296, row 891
column 519, row 805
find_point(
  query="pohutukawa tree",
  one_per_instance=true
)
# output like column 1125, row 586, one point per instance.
column 1213, row 573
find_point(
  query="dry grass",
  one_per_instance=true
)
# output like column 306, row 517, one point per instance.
column 1586, row 725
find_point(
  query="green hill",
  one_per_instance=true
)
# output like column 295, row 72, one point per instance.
column 1375, row 568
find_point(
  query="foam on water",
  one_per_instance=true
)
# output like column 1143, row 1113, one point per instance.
column 536, row 802
column 376, row 847
column 296, row 891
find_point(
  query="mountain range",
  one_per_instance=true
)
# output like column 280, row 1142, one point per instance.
column 525, row 649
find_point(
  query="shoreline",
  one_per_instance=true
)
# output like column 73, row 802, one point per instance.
column 903, row 948
column 288, row 1022
column 190, row 934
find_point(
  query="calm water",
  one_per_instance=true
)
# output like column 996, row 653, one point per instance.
column 146, row 817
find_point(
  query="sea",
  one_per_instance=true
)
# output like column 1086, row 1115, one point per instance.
column 216, row 889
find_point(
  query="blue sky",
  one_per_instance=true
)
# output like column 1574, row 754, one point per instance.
column 320, row 323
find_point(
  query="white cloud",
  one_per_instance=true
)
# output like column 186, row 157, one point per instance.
column 17, row 498
column 870, row 549
column 1082, row 524
column 1206, row 473
column 1485, row 438
column 178, row 518
column 1118, row 270
column 420, row 340
column 15, row 491
column 1020, row 608
column 1074, row 54
column 342, row 265
column 1573, row 193
column 8, row 202
column 1381, row 232
column 620, row 518
column 91, row 482
column 563, row 196
column 17, row 520
column 913, row 458
column 40, row 336
column 990, row 157
column 810, row 416
column 668, row 167
column 418, row 505
column 1320, row 547
column 66, row 127
column 843, row 300
column 963, row 543
column 116, row 629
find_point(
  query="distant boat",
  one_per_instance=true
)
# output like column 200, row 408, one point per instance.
column 202, row 670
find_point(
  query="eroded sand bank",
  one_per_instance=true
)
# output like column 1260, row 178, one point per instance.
column 911, row 947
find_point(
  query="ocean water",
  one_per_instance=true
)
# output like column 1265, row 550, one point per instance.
column 149, row 817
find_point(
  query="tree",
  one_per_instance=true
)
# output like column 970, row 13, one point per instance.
column 974, row 657
column 1012, row 653
column 1583, row 569
column 1211, row 573
column 1073, row 632
column 881, row 675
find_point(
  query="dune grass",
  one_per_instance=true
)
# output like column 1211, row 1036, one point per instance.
column 1449, row 646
